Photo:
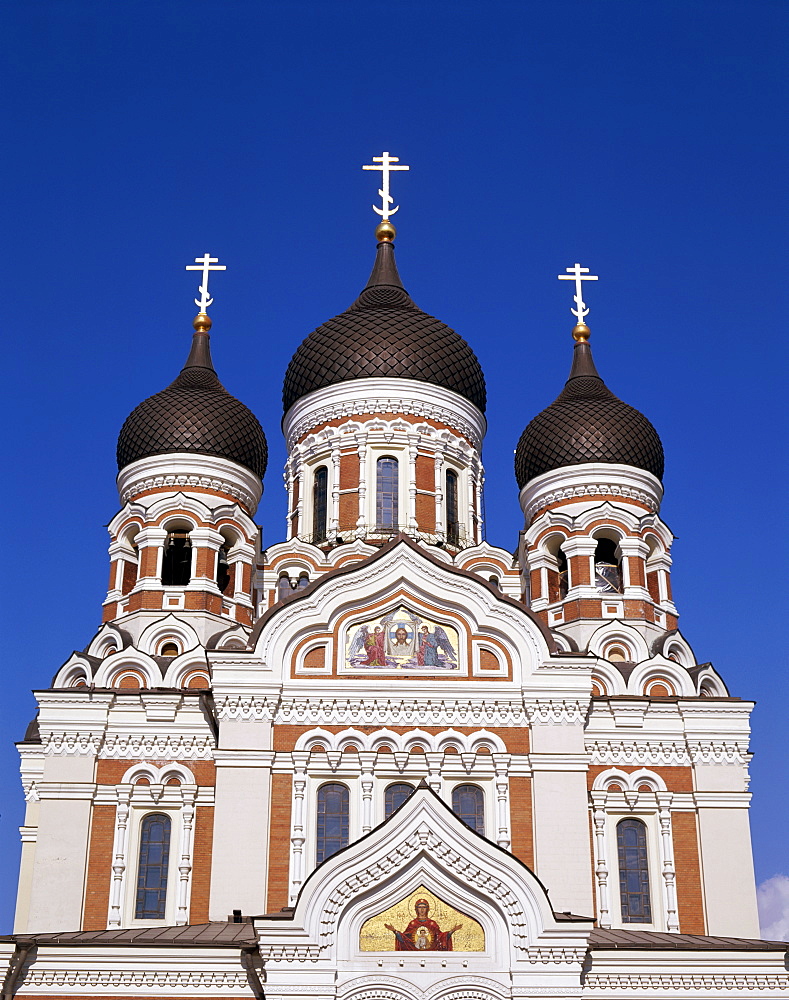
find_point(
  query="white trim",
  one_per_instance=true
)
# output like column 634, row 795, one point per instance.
column 593, row 479
column 183, row 470
column 384, row 395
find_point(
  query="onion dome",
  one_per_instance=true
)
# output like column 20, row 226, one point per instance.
column 587, row 423
column 195, row 414
column 384, row 335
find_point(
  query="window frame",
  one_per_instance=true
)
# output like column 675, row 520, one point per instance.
column 396, row 480
column 482, row 803
column 645, row 871
column 396, row 784
column 318, row 537
column 348, row 829
column 128, row 906
column 145, row 823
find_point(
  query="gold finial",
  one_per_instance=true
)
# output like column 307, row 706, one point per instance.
column 202, row 323
column 385, row 232
column 581, row 333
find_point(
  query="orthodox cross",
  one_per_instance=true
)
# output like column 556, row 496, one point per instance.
column 205, row 264
column 386, row 164
column 578, row 274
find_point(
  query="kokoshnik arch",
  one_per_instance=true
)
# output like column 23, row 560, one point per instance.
column 383, row 758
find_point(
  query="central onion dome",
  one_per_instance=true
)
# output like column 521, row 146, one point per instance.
column 587, row 423
column 194, row 414
column 384, row 335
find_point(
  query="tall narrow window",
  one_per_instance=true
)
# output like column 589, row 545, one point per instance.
column 453, row 525
column 386, row 493
column 631, row 840
column 607, row 568
column 564, row 579
column 469, row 804
column 332, row 832
column 395, row 796
column 152, row 870
column 223, row 574
column 177, row 559
column 320, row 499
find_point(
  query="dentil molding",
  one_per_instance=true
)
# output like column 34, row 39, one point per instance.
column 182, row 471
column 590, row 480
column 384, row 395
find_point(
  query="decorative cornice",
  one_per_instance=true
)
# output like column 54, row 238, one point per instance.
column 183, row 471
column 111, row 979
column 384, row 395
column 364, row 712
column 685, row 981
column 161, row 746
column 592, row 480
column 668, row 752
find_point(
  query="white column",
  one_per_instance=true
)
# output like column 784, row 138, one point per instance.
column 362, row 452
column 188, row 796
column 601, row 861
column 367, row 764
column 479, row 475
column 470, row 506
column 119, row 855
column 501, row 762
column 300, row 759
column 287, row 475
column 334, row 526
column 667, row 852
column 412, row 453
column 438, row 462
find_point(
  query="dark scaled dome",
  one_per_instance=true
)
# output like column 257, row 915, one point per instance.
column 587, row 423
column 384, row 335
column 196, row 414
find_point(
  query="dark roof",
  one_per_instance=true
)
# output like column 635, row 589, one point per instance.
column 384, row 335
column 196, row 414
column 587, row 423
column 218, row 934
column 627, row 940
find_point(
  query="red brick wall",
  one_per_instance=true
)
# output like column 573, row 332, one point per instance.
column 686, row 861
column 97, row 883
column 201, row 864
column 521, row 818
column 279, row 844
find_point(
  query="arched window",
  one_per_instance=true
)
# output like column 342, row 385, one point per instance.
column 469, row 804
column 332, row 831
column 320, row 499
column 283, row 587
column 607, row 568
column 453, row 524
column 177, row 559
column 386, row 493
column 152, row 869
column 223, row 573
column 564, row 581
column 631, row 841
column 395, row 796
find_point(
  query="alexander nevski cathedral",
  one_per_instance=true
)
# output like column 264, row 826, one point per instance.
column 382, row 759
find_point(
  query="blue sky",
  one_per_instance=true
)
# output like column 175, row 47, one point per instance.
column 646, row 141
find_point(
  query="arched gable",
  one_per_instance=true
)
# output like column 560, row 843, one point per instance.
column 400, row 576
column 423, row 844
